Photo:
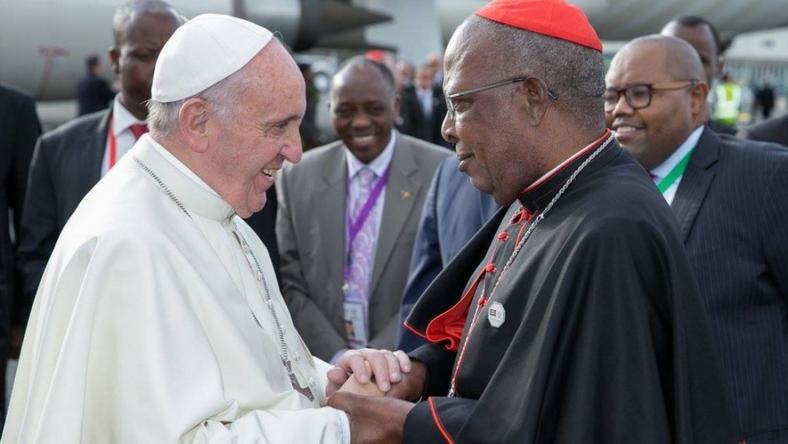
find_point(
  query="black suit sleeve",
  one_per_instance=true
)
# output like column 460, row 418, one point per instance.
column 39, row 227
column 27, row 131
column 774, row 229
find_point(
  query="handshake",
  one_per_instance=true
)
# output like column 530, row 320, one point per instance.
column 377, row 389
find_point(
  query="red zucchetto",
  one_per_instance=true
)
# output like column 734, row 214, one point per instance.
column 553, row 18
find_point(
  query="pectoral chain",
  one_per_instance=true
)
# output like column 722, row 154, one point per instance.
column 258, row 270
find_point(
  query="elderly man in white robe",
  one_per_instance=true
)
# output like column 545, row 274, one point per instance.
column 158, row 318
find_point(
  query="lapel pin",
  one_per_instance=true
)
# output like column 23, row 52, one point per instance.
column 405, row 194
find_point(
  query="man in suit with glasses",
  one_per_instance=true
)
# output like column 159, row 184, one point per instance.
column 730, row 201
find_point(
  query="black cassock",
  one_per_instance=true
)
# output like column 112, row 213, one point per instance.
column 594, row 334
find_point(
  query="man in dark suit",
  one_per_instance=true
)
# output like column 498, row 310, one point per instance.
column 453, row 212
column 772, row 130
column 69, row 160
column 730, row 199
column 19, row 128
column 423, row 108
column 347, row 217
column 93, row 91
column 705, row 38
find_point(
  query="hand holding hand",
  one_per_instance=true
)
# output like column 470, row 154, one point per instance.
column 372, row 419
column 387, row 367
column 353, row 386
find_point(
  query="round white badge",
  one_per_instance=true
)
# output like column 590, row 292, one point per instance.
column 496, row 314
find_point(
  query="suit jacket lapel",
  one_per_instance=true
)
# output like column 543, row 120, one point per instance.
column 696, row 181
column 330, row 208
column 94, row 154
column 401, row 193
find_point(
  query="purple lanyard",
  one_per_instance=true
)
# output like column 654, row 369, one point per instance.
column 354, row 226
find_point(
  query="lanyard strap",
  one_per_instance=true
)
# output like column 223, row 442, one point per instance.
column 354, row 226
column 674, row 174
column 113, row 143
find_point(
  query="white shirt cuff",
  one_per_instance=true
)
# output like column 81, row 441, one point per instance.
column 345, row 421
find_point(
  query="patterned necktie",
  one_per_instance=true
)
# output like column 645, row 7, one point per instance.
column 138, row 129
column 362, row 251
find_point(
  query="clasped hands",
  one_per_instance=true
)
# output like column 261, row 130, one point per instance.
column 376, row 388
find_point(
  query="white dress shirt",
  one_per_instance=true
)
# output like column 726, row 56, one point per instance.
column 668, row 164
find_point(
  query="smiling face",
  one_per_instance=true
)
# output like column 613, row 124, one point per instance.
column 494, row 144
column 247, row 147
column 653, row 133
column 363, row 110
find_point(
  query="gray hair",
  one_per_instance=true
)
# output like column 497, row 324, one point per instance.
column 575, row 73
column 222, row 97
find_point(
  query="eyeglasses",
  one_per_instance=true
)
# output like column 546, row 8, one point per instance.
column 450, row 97
column 639, row 96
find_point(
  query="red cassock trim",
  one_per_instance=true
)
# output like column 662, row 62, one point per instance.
column 448, row 325
column 437, row 420
column 414, row 331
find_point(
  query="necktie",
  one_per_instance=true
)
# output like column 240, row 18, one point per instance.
column 362, row 251
column 138, row 129
column 360, row 259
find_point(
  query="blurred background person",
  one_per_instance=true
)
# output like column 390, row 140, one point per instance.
column 764, row 100
column 423, row 107
column 404, row 75
column 310, row 134
column 19, row 129
column 93, row 90
column 704, row 37
column 729, row 96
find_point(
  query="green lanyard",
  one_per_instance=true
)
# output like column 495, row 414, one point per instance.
column 674, row 174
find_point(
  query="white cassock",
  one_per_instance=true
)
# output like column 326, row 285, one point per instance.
column 150, row 325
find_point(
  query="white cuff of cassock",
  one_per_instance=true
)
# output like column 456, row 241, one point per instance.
column 343, row 419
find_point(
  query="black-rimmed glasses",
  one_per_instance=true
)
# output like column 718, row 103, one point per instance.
column 639, row 96
column 450, row 106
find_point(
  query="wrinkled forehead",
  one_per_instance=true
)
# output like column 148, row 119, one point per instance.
column 468, row 61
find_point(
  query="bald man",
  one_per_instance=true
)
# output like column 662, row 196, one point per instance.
column 730, row 200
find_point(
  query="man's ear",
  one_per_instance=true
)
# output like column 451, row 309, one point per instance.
column 193, row 119
column 114, row 56
column 720, row 66
column 534, row 94
column 397, row 103
column 698, row 96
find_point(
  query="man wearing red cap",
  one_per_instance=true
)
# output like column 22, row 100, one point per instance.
column 572, row 316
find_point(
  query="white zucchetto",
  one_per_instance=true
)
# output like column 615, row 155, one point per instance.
column 205, row 50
